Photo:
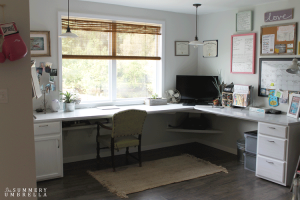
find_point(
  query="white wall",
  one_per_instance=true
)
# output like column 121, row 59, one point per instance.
column 17, row 168
column 221, row 26
column 178, row 27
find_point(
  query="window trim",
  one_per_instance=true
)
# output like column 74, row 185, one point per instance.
column 160, row 74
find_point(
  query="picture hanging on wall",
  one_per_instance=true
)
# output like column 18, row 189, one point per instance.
column 210, row 48
column 244, row 21
column 40, row 44
column 182, row 48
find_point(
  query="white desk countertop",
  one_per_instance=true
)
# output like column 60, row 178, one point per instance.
column 280, row 119
column 94, row 113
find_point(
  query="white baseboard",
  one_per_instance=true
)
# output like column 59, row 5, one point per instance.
column 106, row 152
column 217, row 146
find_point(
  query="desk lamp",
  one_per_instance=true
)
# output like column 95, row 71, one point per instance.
column 294, row 68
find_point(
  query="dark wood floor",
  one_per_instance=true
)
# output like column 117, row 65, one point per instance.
column 237, row 184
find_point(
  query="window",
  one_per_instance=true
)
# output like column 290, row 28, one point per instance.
column 111, row 61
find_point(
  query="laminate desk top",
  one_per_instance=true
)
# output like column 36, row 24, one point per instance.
column 94, row 113
column 280, row 119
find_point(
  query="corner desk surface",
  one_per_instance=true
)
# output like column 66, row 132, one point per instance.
column 94, row 113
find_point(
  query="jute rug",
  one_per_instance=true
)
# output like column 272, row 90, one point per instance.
column 130, row 179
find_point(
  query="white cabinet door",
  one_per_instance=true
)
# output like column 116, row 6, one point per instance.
column 48, row 157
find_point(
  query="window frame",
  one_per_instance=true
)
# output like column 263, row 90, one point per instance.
column 160, row 65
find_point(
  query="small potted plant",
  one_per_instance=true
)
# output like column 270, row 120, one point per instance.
column 69, row 101
column 155, row 100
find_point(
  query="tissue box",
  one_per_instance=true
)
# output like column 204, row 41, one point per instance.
column 155, row 102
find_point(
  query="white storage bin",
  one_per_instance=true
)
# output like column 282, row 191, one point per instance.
column 251, row 141
column 250, row 161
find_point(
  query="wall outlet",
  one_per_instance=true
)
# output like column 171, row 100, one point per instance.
column 3, row 96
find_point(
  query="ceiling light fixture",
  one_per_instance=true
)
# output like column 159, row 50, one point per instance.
column 68, row 33
column 196, row 43
column 294, row 68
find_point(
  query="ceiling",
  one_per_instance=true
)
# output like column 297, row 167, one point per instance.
column 186, row 6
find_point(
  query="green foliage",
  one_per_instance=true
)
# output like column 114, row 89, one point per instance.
column 154, row 96
column 68, row 97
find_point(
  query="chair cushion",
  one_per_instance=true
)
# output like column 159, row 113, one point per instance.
column 120, row 142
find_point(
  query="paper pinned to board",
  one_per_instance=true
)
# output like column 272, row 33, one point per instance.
column 35, row 82
column 285, row 33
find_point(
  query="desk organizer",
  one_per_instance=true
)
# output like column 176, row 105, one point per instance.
column 226, row 99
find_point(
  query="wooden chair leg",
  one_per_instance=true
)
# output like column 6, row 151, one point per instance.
column 127, row 153
column 139, row 151
column 112, row 147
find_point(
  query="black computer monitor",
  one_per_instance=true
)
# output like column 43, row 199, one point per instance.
column 197, row 88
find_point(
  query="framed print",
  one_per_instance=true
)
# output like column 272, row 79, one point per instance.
column 244, row 21
column 40, row 44
column 182, row 48
column 243, row 53
column 293, row 109
column 210, row 48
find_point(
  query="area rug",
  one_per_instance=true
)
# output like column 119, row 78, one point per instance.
column 132, row 178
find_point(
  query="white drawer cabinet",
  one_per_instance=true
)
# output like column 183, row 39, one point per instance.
column 271, row 169
column 273, row 130
column 272, row 147
column 277, row 152
column 48, row 150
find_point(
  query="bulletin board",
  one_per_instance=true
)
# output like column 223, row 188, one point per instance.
column 280, row 39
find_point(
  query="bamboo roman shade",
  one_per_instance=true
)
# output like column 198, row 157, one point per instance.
column 100, row 39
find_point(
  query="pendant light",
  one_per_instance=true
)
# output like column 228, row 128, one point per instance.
column 196, row 43
column 294, row 68
column 68, row 33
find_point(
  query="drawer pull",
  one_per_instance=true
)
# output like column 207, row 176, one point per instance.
column 43, row 125
column 271, row 141
column 272, row 128
column 270, row 162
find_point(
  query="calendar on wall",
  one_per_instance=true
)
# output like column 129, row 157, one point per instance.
column 273, row 75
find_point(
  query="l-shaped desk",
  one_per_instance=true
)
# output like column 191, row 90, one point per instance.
column 277, row 145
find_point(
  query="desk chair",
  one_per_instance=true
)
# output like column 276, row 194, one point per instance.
column 125, row 125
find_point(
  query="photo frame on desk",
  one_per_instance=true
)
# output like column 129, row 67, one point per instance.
column 182, row 48
column 242, row 58
column 279, row 39
column 294, row 105
column 40, row 44
column 210, row 48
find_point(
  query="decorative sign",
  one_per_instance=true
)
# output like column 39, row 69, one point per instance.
column 279, row 15
column 182, row 48
column 210, row 48
column 244, row 21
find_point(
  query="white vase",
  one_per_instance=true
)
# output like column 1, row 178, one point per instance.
column 55, row 105
column 69, row 107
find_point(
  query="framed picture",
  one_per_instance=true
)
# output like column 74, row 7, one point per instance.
column 244, row 21
column 40, row 44
column 182, row 48
column 293, row 109
column 210, row 48
column 243, row 53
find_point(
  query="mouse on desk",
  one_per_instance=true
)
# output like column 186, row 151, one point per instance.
column 273, row 111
